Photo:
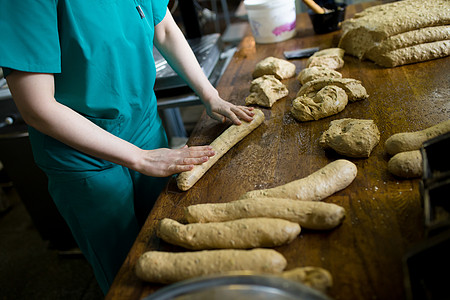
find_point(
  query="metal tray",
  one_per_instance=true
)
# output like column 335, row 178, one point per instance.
column 237, row 287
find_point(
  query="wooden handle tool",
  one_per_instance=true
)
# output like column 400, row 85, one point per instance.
column 314, row 6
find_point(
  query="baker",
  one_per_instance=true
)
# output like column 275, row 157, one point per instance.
column 82, row 74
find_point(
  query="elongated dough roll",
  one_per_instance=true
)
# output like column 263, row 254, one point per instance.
column 334, row 177
column 168, row 267
column 408, row 141
column 221, row 145
column 314, row 277
column 406, row 164
column 308, row 214
column 234, row 234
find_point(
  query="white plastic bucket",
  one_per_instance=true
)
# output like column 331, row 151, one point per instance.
column 271, row 21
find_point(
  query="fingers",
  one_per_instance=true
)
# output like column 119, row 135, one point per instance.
column 237, row 113
column 197, row 151
column 194, row 155
column 188, row 157
column 244, row 113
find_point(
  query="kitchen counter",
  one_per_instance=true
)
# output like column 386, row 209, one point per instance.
column 384, row 214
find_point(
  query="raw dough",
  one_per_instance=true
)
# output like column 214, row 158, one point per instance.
column 331, row 58
column 314, row 277
column 312, row 73
column 351, row 137
column 408, row 39
column 408, row 141
column 224, row 142
column 352, row 87
column 235, row 234
column 413, row 54
column 309, row 214
column 280, row 68
column 265, row 91
column 168, row 267
column 374, row 27
column 328, row 101
column 333, row 177
column 406, row 164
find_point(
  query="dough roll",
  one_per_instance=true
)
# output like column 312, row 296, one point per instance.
column 168, row 267
column 308, row 214
column 221, row 145
column 334, row 177
column 234, row 234
column 409, row 141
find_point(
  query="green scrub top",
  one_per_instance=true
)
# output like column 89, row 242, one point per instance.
column 101, row 55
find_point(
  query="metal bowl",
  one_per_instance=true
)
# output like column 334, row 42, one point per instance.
column 237, row 287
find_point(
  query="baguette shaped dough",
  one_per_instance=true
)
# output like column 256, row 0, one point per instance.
column 352, row 87
column 406, row 164
column 308, row 214
column 234, row 234
column 408, row 141
column 221, row 145
column 168, row 267
column 314, row 277
column 334, row 177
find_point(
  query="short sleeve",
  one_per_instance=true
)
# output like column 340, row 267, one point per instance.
column 29, row 38
column 159, row 8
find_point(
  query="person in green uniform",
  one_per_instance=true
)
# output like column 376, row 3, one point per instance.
column 82, row 75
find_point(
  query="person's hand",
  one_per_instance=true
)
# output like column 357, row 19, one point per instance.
column 165, row 162
column 220, row 110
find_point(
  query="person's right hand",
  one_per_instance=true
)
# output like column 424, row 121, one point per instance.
column 165, row 162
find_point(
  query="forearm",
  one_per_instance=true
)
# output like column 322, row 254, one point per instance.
column 33, row 95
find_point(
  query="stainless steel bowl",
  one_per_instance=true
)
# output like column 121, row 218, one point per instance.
column 237, row 287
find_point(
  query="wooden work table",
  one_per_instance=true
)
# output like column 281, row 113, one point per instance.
column 384, row 214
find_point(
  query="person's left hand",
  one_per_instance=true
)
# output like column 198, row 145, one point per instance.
column 220, row 110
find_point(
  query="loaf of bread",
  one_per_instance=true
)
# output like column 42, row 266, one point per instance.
column 399, row 33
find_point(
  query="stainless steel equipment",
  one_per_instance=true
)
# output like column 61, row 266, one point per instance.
column 237, row 287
